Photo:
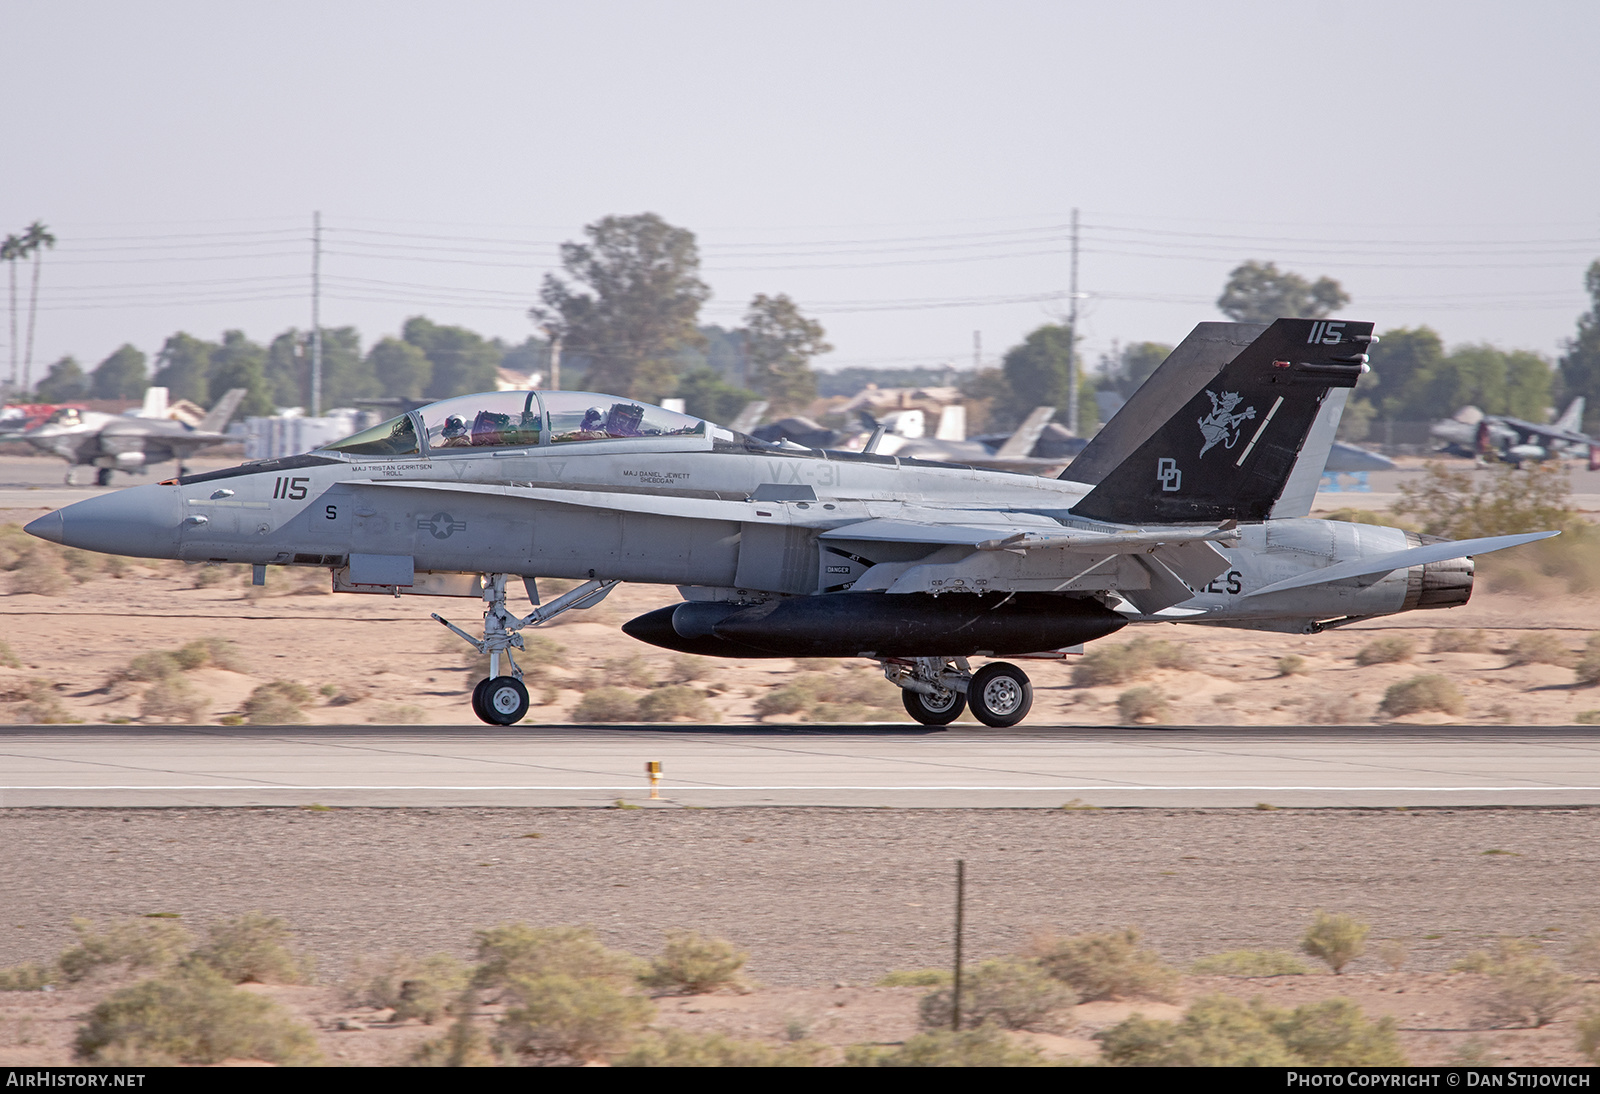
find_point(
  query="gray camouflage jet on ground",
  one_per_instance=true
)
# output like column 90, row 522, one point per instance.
column 1190, row 505
column 118, row 442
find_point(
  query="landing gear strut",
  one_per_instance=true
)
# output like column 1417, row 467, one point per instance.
column 503, row 700
column 936, row 690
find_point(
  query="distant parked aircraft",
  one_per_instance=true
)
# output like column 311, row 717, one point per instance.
column 1474, row 434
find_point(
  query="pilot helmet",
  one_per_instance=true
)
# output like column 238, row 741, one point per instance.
column 454, row 426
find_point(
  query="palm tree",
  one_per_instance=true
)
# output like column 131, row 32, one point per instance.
column 35, row 237
column 10, row 251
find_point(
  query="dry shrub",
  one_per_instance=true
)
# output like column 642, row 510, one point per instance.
column 1570, row 562
column 1393, row 952
column 1335, row 939
column 155, row 665
column 677, row 1048
column 686, row 668
column 1539, row 649
column 192, row 1016
column 1292, row 665
column 571, row 1019
column 173, row 700
column 464, row 1046
column 1498, row 501
column 41, row 571
column 1142, row 705
column 423, row 988
column 635, row 670
column 1250, row 963
column 399, row 715
column 1108, row 965
column 29, row 976
column 1589, row 1034
column 15, row 546
column 1423, row 693
column 254, row 948
column 277, row 704
column 1008, row 992
column 1586, row 951
column 1121, row 663
column 40, row 705
column 983, row 1047
column 211, row 573
column 1587, row 669
column 1454, row 641
column 798, row 696
column 1334, row 708
column 673, row 703
column 1388, row 650
column 130, row 943
column 915, row 978
column 213, row 651
column 693, row 964
column 7, row 657
column 1526, row 987
column 607, row 704
column 1221, row 1031
column 514, row 950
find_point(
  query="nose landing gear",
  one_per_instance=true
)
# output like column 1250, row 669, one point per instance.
column 503, row 700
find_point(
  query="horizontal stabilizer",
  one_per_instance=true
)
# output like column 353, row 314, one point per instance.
column 1399, row 560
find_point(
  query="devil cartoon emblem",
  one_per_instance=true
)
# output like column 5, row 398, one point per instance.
column 1222, row 425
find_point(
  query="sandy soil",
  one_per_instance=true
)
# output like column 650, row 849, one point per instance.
column 823, row 898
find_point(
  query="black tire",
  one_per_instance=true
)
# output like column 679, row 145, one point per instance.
column 504, row 701
column 102, row 477
column 1000, row 695
column 477, row 701
column 929, row 711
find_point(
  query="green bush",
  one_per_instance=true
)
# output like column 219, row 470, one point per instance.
column 425, row 988
column 253, row 947
column 192, row 1016
column 983, row 1047
column 1526, row 987
column 1010, row 993
column 675, row 1048
column 693, row 964
column 1423, row 693
column 1589, row 1035
column 1387, row 650
column 1540, row 649
column 1108, row 965
column 1503, row 501
column 516, row 950
column 26, row 977
column 1453, row 641
column 1335, row 939
column 1119, row 664
column 277, row 704
column 572, row 1018
column 674, row 702
column 915, row 978
column 1250, row 963
column 1221, row 1031
column 606, row 704
column 132, row 943
column 1142, row 705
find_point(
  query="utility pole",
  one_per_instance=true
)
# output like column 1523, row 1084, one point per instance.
column 316, row 314
column 553, row 382
column 1072, row 336
column 961, row 907
column 977, row 350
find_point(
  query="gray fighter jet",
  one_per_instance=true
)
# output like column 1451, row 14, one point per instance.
column 1190, row 505
column 115, row 442
column 1474, row 434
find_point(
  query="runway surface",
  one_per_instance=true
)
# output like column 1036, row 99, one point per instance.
column 864, row 766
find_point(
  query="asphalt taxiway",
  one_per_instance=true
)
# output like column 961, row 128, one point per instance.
column 863, row 766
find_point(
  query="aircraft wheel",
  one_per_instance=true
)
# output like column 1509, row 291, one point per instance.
column 477, row 701
column 1000, row 695
column 503, row 701
column 933, row 710
column 102, row 477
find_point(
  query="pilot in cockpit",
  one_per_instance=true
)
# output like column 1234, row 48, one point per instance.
column 454, row 434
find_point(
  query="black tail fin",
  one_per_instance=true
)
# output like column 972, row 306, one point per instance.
column 1228, row 452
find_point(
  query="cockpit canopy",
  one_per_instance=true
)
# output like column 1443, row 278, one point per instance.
column 503, row 419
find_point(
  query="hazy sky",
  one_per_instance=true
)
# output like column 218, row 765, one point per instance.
column 905, row 171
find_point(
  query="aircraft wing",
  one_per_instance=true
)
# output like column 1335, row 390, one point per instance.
column 1400, row 560
column 1546, row 432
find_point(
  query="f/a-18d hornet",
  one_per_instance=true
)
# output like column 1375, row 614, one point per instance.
column 1190, row 505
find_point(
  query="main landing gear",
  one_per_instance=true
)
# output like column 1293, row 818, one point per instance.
column 503, row 700
column 936, row 690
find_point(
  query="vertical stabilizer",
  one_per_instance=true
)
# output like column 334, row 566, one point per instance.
column 1230, row 451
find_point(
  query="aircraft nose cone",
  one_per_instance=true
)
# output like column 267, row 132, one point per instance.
column 141, row 521
column 47, row 527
